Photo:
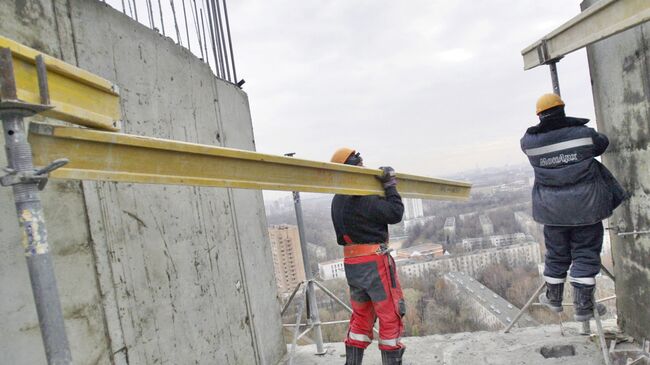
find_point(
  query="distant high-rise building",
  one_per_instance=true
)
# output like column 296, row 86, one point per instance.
column 333, row 269
column 287, row 257
column 412, row 209
column 450, row 230
column 486, row 225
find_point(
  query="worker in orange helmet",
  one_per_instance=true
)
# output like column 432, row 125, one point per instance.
column 361, row 225
column 572, row 194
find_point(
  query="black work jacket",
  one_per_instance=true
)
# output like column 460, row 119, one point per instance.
column 571, row 187
column 365, row 219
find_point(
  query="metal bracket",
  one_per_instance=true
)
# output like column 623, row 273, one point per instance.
column 544, row 55
column 14, row 106
column 40, row 177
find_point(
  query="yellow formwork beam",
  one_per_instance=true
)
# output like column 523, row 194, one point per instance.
column 600, row 21
column 96, row 155
column 78, row 96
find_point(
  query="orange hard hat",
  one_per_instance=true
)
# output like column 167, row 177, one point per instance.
column 548, row 101
column 342, row 154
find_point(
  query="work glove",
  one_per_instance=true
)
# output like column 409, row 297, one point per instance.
column 387, row 177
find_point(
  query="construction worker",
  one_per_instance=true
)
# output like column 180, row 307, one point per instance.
column 361, row 228
column 572, row 194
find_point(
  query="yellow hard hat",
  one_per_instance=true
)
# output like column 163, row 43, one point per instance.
column 548, row 101
column 341, row 155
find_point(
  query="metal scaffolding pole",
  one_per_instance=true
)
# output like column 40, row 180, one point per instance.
column 312, row 309
column 554, row 77
column 25, row 182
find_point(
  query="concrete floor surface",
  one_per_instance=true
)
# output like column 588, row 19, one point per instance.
column 520, row 347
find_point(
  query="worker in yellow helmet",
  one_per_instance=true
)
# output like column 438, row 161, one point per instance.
column 361, row 225
column 571, row 196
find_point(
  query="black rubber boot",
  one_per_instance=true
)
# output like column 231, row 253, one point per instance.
column 553, row 297
column 583, row 301
column 392, row 357
column 353, row 355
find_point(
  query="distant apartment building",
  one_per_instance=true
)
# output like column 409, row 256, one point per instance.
column 426, row 250
column 466, row 216
column 480, row 243
column 489, row 309
column 528, row 225
column 474, row 262
column 412, row 208
column 414, row 214
column 409, row 224
column 486, row 225
column 287, row 257
column 333, row 269
column 449, row 230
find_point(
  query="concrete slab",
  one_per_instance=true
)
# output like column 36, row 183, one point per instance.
column 521, row 346
column 620, row 74
column 147, row 274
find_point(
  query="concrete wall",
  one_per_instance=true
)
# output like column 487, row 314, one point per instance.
column 620, row 73
column 147, row 274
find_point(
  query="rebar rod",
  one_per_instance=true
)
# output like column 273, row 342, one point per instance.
column 223, row 42
column 212, row 37
column 220, row 49
column 205, row 40
column 187, row 29
column 218, row 42
column 162, row 21
column 178, row 33
column 195, row 13
column 135, row 11
column 232, row 55
column 150, row 15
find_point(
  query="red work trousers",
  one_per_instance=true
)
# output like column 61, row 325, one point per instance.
column 375, row 292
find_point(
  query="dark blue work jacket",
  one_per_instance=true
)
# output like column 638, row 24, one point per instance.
column 571, row 187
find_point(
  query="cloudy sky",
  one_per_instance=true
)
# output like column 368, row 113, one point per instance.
column 431, row 87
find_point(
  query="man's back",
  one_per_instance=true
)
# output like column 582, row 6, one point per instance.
column 364, row 219
column 571, row 187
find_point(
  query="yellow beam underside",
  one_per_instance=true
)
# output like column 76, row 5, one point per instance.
column 96, row 155
column 78, row 96
column 601, row 20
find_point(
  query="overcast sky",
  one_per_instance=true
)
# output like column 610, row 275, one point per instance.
column 427, row 86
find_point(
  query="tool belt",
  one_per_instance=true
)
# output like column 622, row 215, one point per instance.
column 356, row 250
